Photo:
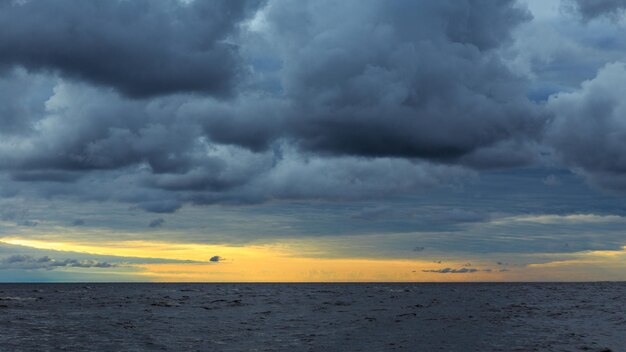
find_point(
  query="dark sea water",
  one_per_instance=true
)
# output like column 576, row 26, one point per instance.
column 313, row 317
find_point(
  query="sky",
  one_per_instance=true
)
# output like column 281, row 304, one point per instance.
column 312, row 140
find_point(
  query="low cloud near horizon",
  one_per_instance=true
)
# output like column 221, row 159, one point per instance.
column 27, row 262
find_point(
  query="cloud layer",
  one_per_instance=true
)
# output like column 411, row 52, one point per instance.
column 245, row 101
column 160, row 104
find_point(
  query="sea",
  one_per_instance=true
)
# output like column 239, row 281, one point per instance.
column 313, row 317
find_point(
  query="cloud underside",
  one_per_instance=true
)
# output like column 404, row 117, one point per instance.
column 158, row 104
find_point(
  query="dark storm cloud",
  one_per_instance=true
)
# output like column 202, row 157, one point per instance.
column 590, row 9
column 339, row 101
column 239, row 176
column 28, row 262
column 85, row 129
column 141, row 48
column 402, row 79
column 588, row 131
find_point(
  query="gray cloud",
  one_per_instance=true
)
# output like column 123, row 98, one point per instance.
column 428, row 218
column 588, row 132
column 157, row 206
column 28, row 262
column 141, row 48
column 234, row 175
column 590, row 9
column 156, row 223
column 216, row 258
column 378, row 82
column 21, row 94
column 370, row 100
column 29, row 223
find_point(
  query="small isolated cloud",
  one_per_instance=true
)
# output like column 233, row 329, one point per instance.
column 419, row 249
column 28, row 262
column 216, row 258
column 452, row 271
column 156, row 223
column 78, row 222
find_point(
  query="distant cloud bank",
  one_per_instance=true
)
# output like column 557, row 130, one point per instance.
column 32, row 263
